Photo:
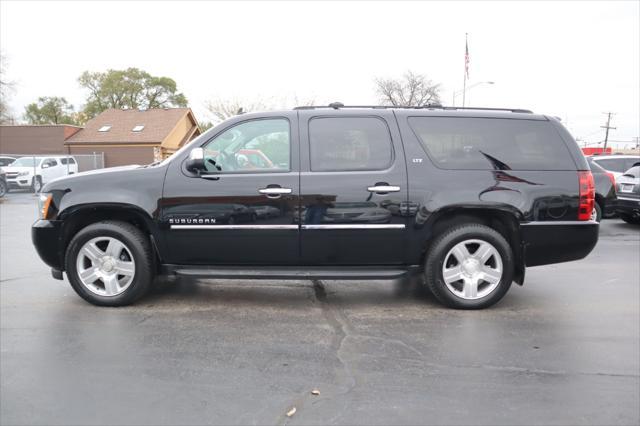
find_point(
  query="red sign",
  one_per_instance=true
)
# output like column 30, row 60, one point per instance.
column 596, row 151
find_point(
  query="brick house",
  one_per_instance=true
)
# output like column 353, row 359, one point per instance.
column 135, row 136
column 35, row 139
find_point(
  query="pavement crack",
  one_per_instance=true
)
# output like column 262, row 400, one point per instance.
column 4, row 280
column 342, row 331
column 143, row 319
column 536, row 371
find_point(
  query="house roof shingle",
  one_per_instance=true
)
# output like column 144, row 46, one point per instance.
column 158, row 123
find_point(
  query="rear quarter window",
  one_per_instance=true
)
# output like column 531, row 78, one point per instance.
column 612, row 164
column 492, row 143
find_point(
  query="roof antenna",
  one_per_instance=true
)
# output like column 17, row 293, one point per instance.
column 336, row 105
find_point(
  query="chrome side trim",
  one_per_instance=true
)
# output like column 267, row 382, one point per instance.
column 217, row 227
column 628, row 199
column 358, row 226
column 560, row 223
column 339, row 226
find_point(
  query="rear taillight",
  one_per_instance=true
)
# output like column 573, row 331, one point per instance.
column 587, row 195
column 612, row 178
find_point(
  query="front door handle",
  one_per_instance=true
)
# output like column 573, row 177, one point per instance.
column 383, row 189
column 274, row 192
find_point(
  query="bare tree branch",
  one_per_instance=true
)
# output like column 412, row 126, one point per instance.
column 6, row 87
column 222, row 109
column 410, row 90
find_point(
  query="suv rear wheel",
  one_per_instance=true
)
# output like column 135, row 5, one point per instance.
column 110, row 263
column 469, row 267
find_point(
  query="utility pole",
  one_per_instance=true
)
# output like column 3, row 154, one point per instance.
column 466, row 70
column 606, row 135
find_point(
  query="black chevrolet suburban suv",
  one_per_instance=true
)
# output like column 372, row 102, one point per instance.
column 467, row 197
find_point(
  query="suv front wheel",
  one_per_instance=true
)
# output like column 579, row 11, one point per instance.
column 36, row 184
column 469, row 267
column 110, row 263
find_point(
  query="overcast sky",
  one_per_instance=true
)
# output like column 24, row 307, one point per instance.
column 574, row 60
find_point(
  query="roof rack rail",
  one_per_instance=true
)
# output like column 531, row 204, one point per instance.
column 339, row 105
column 520, row 110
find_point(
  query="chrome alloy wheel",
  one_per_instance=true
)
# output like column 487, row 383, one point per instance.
column 472, row 269
column 105, row 266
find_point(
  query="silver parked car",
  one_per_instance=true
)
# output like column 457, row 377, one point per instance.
column 616, row 164
column 628, row 188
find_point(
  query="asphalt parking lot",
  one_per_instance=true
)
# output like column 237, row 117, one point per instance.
column 563, row 349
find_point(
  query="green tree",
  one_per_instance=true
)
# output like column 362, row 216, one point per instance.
column 50, row 110
column 131, row 88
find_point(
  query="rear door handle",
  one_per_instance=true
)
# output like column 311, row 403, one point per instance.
column 383, row 188
column 274, row 191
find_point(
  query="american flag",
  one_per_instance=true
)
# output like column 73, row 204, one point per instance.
column 466, row 58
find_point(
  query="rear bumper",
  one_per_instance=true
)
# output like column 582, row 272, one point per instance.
column 628, row 206
column 46, row 236
column 554, row 242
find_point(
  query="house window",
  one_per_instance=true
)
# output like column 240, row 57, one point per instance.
column 138, row 128
column 105, row 128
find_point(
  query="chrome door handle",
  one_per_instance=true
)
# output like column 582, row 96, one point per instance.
column 274, row 191
column 383, row 188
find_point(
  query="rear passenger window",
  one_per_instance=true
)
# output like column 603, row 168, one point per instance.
column 613, row 164
column 349, row 143
column 492, row 144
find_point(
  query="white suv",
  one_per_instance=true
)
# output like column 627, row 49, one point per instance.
column 34, row 171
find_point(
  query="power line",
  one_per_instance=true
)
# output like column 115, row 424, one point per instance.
column 607, row 126
column 590, row 134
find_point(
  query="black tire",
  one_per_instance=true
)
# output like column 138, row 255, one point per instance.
column 36, row 184
column 441, row 247
column 4, row 188
column 630, row 219
column 139, row 246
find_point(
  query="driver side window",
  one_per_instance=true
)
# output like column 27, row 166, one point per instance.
column 255, row 146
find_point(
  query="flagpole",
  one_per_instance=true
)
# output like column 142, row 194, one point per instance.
column 464, row 83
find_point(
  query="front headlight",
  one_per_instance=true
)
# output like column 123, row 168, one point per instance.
column 23, row 173
column 44, row 203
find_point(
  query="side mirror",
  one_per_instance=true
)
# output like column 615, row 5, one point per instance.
column 195, row 162
column 46, row 165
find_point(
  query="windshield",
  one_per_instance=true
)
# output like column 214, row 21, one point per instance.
column 26, row 162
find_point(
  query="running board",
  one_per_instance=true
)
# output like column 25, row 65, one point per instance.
column 294, row 273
